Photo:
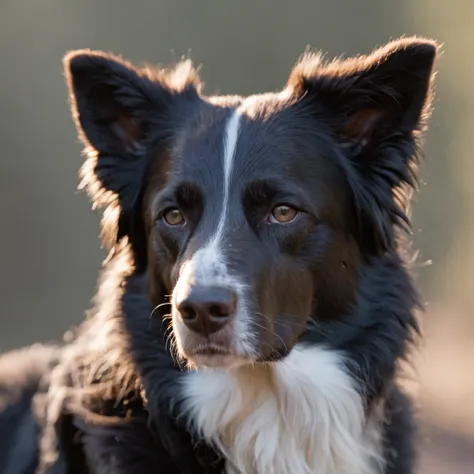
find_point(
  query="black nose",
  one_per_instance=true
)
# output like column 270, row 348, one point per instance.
column 206, row 309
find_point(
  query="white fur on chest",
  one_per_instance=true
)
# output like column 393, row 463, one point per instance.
column 300, row 416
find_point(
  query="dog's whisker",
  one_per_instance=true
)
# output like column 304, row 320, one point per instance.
column 166, row 303
column 171, row 343
column 273, row 334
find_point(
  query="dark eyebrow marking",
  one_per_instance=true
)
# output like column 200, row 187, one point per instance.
column 184, row 194
column 268, row 191
column 188, row 193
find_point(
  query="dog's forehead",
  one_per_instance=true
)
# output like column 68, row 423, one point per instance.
column 256, row 131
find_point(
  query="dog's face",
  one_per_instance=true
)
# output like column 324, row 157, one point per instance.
column 248, row 220
column 255, row 214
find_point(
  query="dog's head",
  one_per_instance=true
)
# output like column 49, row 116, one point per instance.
column 255, row 214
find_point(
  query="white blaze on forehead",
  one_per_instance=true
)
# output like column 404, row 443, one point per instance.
column 230, row 145
column 209, row 262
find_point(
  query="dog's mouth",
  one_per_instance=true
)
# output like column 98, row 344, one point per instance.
column 214, row 356
column 209, row 350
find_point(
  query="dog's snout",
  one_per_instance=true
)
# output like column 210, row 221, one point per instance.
column 207, row 309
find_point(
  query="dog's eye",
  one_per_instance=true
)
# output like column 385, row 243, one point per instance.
column 283, row 214
column 173, row 216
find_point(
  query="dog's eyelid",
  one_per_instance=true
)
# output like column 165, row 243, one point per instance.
column 164, row 198
column 300, row 205
column 162, row 206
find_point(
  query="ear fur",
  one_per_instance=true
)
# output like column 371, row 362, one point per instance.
column 377, row 106
column 123, row 115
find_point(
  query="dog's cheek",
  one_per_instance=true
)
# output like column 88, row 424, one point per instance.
column 161, row 262
column 284, row 306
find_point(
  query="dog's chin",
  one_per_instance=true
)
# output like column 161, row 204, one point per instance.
column 215, row 359
column 211, row 356
column 218, row 361
column 216, row 356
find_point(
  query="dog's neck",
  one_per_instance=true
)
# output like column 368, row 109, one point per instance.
column 300, row 415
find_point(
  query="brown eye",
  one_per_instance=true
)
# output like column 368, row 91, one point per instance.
column 283, row 214
column 173, row 217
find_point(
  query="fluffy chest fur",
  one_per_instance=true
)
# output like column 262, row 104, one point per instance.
column 302, row 415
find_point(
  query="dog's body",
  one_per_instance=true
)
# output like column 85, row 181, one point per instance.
column 271, row 221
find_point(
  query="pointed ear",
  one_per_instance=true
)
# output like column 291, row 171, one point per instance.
column 123, row 115
column 376, row 106
column 114, row 104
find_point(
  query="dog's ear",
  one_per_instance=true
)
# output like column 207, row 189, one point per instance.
column 376, row 106
column 122, row 115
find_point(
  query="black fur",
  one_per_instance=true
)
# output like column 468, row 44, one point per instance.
column 345, row 137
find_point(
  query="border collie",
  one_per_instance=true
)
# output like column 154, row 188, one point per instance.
column 256, row 302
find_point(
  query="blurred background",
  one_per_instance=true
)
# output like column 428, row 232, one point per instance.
column 49, row 248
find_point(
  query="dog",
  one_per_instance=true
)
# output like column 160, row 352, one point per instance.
column 257, row 300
